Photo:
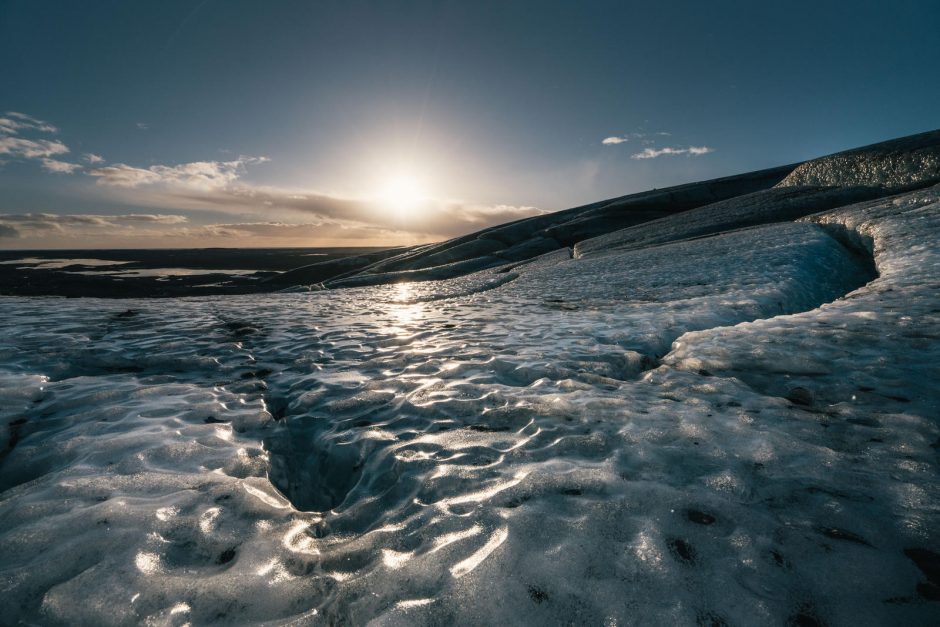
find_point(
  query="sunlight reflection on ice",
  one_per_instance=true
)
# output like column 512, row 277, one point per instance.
column 147, row 563
column 208, row 518
column 395, row 559
column 482, row 495
column 297, row 541
column 267, row 499
column 450, row 538
column 409, row 603
column 462, row 568
column 404, row 312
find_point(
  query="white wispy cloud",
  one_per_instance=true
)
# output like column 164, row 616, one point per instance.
column 31, row 148
column 142, row 126
column 75, row 225
column 13, row 122
column 653, row 153
column 8, row 126
column 54, row 220
column 61, row 167
column 650, row 140
column 161, row 218
column 199, row 174
column 282, row 216
column 613, row 140
column 239, row 230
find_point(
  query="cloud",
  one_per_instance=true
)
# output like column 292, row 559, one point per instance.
column 31, row 149
column 613, row 140
column 143, row 126
column 46, row 230
column 440, row 218
column 11, row 144
column 261, row 229
column 289, row 234
column 62, row 167
column 147, row 230
column 267, row 214
column 122, row 175
column 52, row 222
column 57, row 222
column 200, row 174
column 13, row 122
column 653, row 153
column 152, row 217
column 216, row 186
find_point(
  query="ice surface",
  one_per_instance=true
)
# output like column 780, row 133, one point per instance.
column 656, row 216
column 739, row 428
column 780, row 204
column 896, row 165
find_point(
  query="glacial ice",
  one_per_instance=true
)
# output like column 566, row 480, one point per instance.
column 896, row 165
column 729, row 428
column 526, row 238
column 655, row 216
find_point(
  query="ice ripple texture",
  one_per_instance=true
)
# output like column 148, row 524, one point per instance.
column 736, row 429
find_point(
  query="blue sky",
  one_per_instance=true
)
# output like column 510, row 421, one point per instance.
column 249, row 123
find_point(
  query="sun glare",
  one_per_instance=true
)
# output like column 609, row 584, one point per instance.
column 403, row 194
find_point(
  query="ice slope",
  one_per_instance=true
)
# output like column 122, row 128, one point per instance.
column 699, row 432
column 527, row 238
column 813, row 186
column 775, row 195
column 764, row 207
column 898, row 164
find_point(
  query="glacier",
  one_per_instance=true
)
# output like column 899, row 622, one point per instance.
column 724, row 415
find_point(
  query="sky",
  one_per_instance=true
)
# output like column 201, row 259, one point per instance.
column 247, row 123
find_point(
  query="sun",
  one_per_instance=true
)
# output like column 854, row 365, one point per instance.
column 403, row 194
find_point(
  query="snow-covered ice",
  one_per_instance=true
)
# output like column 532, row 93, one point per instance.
column 731, row 428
